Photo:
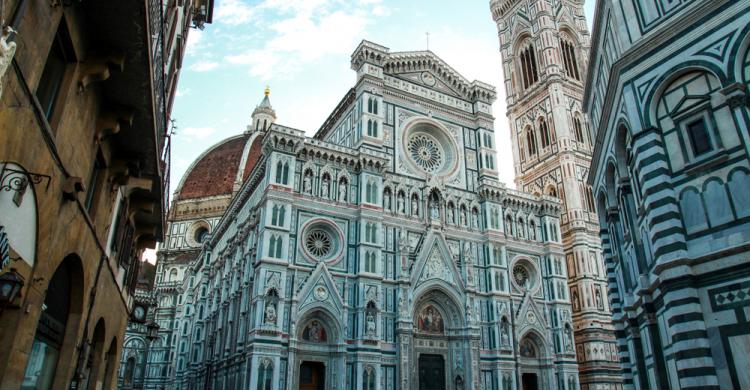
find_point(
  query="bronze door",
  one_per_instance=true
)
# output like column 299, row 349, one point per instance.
column 312, row 376
column 431, row 372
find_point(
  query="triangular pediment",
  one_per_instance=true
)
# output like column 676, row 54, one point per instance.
column 530, row 316
column 426, row 69
column 435, row 263
column 320, row 291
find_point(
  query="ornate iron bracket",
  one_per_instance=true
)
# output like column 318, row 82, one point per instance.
column 17, row 180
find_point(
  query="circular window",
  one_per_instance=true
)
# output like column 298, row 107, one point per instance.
column 200, row 234
column 429, row 148
column 525, row 275
column 318, row 242
column 426, row 152
column 521, row 275
column 322, row 240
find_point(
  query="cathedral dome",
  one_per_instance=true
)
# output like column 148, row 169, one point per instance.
column 220, row 168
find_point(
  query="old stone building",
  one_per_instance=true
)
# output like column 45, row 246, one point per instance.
column 145, row 362
column 376, row 253
column 668, row 100
column 83, row 166
column 544, row 46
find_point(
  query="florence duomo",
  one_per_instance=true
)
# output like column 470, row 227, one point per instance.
column 495, row 195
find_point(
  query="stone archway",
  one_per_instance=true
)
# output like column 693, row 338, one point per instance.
column 533, row 364
column 318, row 352
column 440, row 353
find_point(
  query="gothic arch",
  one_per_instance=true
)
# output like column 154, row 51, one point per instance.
column 334, row 332
column 739, row 69
column 445, row 300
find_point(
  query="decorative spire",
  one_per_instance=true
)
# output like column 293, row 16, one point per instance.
column 264, row 114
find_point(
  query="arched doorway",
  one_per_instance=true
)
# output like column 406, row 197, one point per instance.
column 320, row 352
column 62, row 309
column 532, row 364
column 441, row 345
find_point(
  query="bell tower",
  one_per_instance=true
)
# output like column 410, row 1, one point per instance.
column 544, row 46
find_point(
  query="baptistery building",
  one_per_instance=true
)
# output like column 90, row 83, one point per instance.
column 668, row 101
column 380, row 253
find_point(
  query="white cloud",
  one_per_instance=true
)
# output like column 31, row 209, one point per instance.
column 303, row 32
column 234, row 12
column 198, row 132
column 204, row 66
column 194, row 42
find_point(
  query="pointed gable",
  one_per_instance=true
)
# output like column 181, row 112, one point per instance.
column 320, row 291
column 435, row 263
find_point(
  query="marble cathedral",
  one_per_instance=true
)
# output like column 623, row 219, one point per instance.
column 544, row 46
column 381, row 253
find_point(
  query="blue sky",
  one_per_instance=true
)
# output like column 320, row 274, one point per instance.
column 301, row 49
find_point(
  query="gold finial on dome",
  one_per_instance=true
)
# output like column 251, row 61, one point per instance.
column 267, row 91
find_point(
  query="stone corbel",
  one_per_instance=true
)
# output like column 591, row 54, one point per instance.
column 98, row 69
column 109, row 122
column 71, row 187
column 137, row 183
column 144, row 233
column 736, row 95
column 140, row 206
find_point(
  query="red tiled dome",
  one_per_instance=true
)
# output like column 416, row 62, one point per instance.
column 215, row 172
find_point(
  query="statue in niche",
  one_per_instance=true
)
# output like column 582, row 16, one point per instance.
column 475, row 219
column 453, row 214
column 508, row 226
column 314, row 332
column 401, row 202
column 370, row 325
column 414, row 206
column 430, row 320
column 387, row 201
column 307, row 183
column 505, row 332
column 463, row 217
column 324, row 188
column 568, row 339
column 434, row 210
column 270, row 314
column 599, row 304
column 342, row 191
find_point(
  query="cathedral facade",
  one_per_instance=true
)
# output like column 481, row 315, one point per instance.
column 381, row 253
column 544, row 46
column 668, row 101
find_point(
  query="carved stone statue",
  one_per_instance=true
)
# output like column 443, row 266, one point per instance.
column 324, row 189
column 370, row 325
column 414, row 207
column 434, row 210
column 453, row 214
column 400, row 205
column 504, row 333
column 387, row 201
column 342, row 191
column 568, row 339
column 270, row 315
column 307, row 184
column 475, row 220
column 463, row 217
column 7, row 51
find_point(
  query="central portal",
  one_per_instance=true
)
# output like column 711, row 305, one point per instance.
column 529, row 381
column 431, row 372
column 312, row 376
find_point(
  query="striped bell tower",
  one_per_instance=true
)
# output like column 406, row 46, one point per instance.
column 544, row 46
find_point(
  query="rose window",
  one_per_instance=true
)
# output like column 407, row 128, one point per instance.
column 319, row 243
column 426, row 152
column 521, row 275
